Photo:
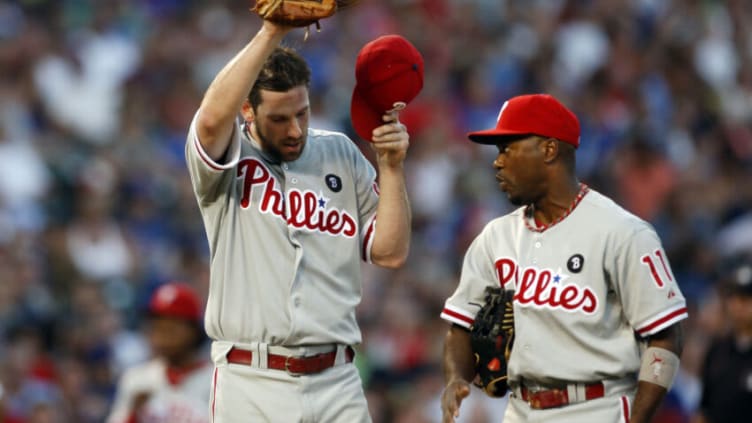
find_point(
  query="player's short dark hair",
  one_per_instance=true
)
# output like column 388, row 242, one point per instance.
column 283, row 70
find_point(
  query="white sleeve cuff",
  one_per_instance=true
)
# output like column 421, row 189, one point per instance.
column 661, row 321
column 457, row 316
column 233, row 150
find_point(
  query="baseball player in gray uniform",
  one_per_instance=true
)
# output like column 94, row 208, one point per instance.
column 174, row 385
column 596, row 307
column 290, row 213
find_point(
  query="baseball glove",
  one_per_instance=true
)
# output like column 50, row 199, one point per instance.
column 491, row 337
column 298, row 13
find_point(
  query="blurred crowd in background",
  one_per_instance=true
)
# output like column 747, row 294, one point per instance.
column 97, row 210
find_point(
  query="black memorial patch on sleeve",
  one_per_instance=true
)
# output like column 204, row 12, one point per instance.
column 334, row 182
column 576, row 263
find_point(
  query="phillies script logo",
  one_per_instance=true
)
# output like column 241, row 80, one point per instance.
column 545, row 288
column 306, row 209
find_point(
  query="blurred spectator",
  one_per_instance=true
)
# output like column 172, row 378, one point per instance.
column 727, row 370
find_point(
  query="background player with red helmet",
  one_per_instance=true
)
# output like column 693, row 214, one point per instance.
column 174, row 385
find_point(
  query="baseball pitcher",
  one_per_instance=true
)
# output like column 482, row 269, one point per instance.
column 290, row 212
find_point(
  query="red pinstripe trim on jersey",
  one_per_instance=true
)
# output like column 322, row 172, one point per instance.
column 663, row 321
column 368, row 240
column 205, row 157
column 214, row 393
column 456, row 316
column 625, row 409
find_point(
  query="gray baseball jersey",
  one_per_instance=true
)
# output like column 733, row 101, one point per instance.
column 583, row 287
column 182, row 399
column 286, row 239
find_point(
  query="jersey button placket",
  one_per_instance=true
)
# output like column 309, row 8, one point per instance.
column 537, row 244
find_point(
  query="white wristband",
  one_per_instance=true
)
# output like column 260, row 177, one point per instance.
column 659, row 366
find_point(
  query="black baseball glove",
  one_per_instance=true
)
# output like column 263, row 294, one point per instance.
column 491, row 337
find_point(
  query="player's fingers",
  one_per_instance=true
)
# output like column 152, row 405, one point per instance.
column 389, row 128
column 450, row 403
column 391, row 137
column 450, row 412
column 391, row 116
column 460, row 392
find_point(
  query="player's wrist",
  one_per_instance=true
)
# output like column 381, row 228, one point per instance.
column 273, row 31
column 457, row 380
column 387, row 163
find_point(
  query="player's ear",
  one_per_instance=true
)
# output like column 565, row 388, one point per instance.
column 551, row 149
column 247, row 111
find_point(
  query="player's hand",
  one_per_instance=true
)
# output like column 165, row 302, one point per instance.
column 390, row 141
column 452, row 397
column 139, row 402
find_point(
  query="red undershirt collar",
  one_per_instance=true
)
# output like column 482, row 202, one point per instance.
column 175, row 375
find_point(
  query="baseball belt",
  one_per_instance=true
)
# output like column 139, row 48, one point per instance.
column 558, row 397
column 293, row 365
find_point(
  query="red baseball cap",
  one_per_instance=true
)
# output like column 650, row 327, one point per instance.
column 388, row 74
column 532, row 114
column 176, row 299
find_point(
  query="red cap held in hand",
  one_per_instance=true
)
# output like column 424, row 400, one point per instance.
column 177, row 300
column 389, row 74
column 532, row 114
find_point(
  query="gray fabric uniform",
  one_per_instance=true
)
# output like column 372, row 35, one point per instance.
column 286, row 242
column 583, row 287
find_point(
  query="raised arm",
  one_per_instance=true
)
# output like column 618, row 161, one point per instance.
column 224, row 97
column 391, row 242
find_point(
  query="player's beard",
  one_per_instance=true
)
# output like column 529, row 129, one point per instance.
column 273, row 148
column 517, row 197
column 506, row 186
column 516, row 200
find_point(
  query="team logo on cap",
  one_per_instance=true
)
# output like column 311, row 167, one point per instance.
column 334, row 182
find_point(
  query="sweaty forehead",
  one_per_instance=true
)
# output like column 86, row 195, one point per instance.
column 284, row 102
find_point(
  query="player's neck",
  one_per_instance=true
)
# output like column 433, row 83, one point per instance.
column 558, row 202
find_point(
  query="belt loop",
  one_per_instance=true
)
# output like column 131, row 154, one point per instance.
column 581, row 392
column 262, row 357
column 573, row 393
column 341, row 356
column 517, row 390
